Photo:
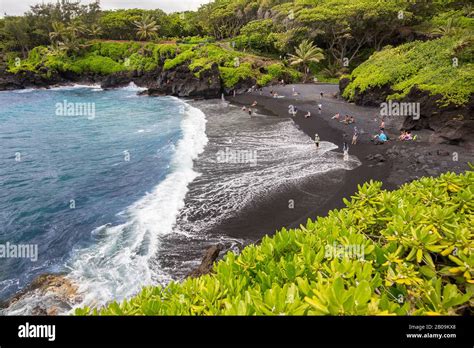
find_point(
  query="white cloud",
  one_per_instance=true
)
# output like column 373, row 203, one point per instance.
column 15, row 7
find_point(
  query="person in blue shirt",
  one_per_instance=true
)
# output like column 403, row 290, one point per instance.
column 380, row 138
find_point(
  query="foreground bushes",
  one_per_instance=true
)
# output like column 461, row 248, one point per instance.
column 406, row 252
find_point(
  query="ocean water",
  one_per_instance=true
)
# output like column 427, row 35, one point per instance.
column 153, row 181
column 93, row 191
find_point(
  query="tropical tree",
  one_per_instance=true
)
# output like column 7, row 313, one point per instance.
column 449, row 28
column 77, row 28
column 306, row 53
column 146, row 28
column 59, row 30
column 95, row 30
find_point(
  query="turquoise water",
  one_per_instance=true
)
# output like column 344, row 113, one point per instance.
column 77, row 184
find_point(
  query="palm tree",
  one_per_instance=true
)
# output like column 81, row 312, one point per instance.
column 305, row 53
column 95, row 31
column 77, row 29
column 146, row 28
column 58, row 32
column 451, row 27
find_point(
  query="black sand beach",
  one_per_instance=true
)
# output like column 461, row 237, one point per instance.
column 393, row 163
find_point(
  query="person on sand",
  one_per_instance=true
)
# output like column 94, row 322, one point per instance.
column 355, row 136
column 254, row 103
column 380, row 139
column 336, row 117
column 403, row 135
column 316, row 140
column 308, row 114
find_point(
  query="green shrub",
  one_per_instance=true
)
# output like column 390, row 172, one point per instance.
column 427, row 65
column 97, row 64
column 164, row 51
column 141, row 63
column 231, row 76
column 117, row 51
column 411, row 253
column 179, row 59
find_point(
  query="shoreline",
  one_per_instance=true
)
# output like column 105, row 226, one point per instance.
column 327, row 131
column 394, row 163
column 270, row 214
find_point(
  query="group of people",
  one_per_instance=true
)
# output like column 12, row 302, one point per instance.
column 347, row 119
column 406, row 135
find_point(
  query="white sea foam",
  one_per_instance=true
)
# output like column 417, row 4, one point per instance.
column 75, row 86
column 117, row 265
column 133, row 87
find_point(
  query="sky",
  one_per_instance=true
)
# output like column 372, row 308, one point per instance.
column 18, row 7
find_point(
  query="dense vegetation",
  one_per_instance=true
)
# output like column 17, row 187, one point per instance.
column 105, row 58
column 443, row 66
column 417, row 259
column 347, row 32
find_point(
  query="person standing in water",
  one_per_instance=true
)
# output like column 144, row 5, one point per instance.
column 316, row 140
column 345, row 150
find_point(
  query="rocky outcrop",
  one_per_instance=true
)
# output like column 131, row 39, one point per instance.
column 451, row 124
column 9, row 81
column 207, row 262
column 182, row 82
column 57, row 293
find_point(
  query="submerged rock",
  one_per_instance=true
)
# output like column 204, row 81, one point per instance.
column 207, row 262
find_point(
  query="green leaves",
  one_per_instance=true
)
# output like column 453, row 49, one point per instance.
column 417, row 258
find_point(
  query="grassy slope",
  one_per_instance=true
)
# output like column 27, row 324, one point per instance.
column 428, row 65
column 418, row 259
column 106, row 57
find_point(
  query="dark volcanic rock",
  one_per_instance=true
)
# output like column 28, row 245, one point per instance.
column 116, row 80
column 60, row 293
column 343, row 84
column 9, row 81
column 182, row 82
column 207, row 262
column 451, row 124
